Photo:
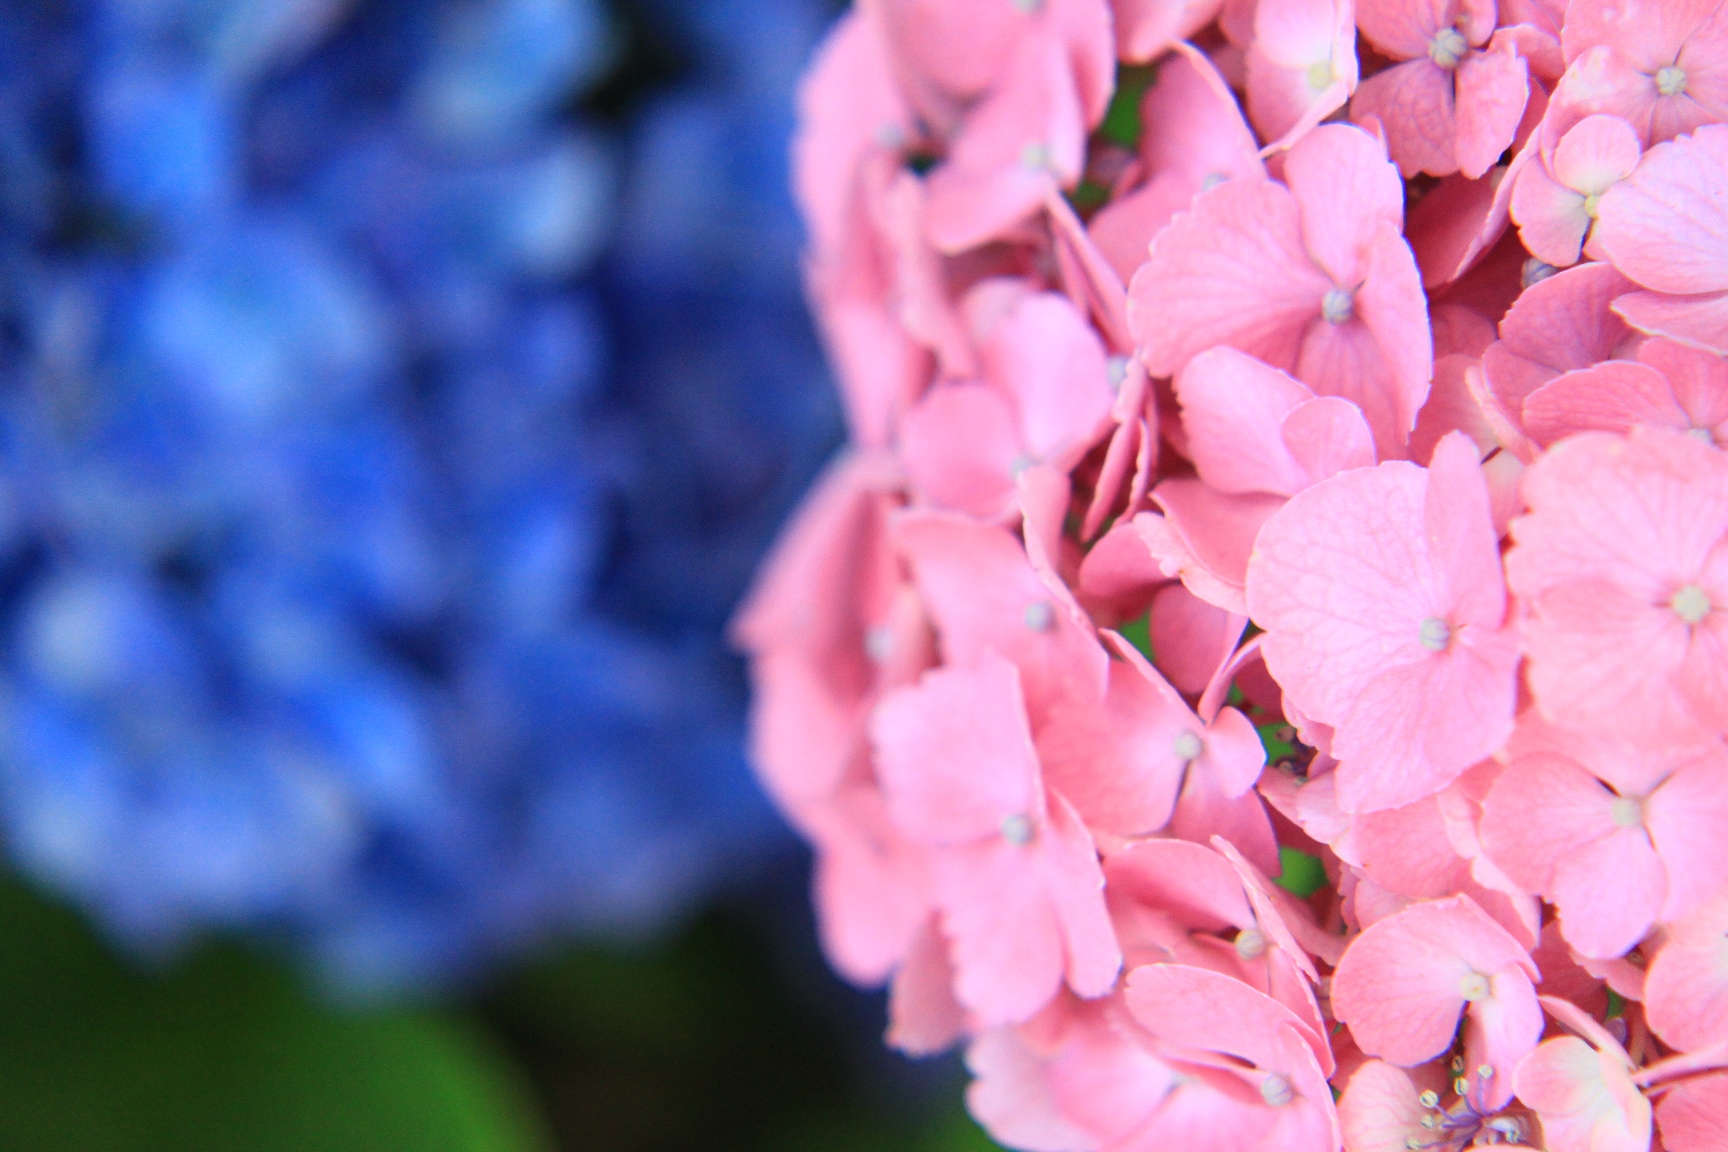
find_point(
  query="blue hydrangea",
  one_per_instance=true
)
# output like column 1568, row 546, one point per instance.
column 395, row 397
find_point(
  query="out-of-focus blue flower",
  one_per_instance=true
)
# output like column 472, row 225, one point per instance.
column 384, row 440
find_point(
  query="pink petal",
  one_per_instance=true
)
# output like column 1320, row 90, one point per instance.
column 1201, row 136
column 1190, row 637
column 954, row 754
column 1301, row 67
column 1380, row 1111
column 1541, row 810
column 1233, row 409
column 1558, row 324
column 871, row 886
column 1392, row 308
column 1665, row 225
column 1401, row 984
column 985, row 596
column 962, row 47
column 1586, row 1100
column 1117, row 761
column 1075, row 881
column 1697, row 321
column 961, row 445
column 1048, row 358
column 1326, row 436
column 1146, row 29
column 1124, row 228
column 1196, row 1008
column 1699, row 380
column 1402, row 31
column 1414, row 101
column 1010, row 1097
column 1190, row 881
column 1232, row 270
column 1500, row 1030
column 1595, row 154
column 923, row 1016
column 1348, row 193
column 1685, row 816
column 1610, row 397
column 1205, row 537
column 1492, row 89
column 1686, row 988
column 1609, row 893
column 1692, row 1117
column 1551, row 218
column 1203, row 811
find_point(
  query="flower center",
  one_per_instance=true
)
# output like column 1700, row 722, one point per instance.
column 1117, row 369
column 1188, row 747
column 1017, row 829
column 1702, row 435
column 1039, row 616
column 1448, row 47
column 1691, row 604
column 1626, row 812
column 1250, row 943
column 1320, row 75
column 1338, row 305
column 1671, row 80
column 1435, row 634
column 879, row 643
column 1277, row 1090
column 1035, row 156
column 1211, row 180
column 1535, row 271
column 1590, row 203
column 1473, row 987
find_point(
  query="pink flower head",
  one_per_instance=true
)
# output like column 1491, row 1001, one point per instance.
column 1584, row 1097
column 1045, row 398
column 1686, row 991
column 1252, row 428
column 1205, row 1012
column 1669, row 386
column 1456, row 101
column 1404, row 981
column 1301, row 66
column 1660, row 64
column 1382, row 599
column 984, row 595
column 1198, row 141
column 1555, row 199
column 1616, row 848
column 1310, row 276
column 1622, row 563
column 1013, row 870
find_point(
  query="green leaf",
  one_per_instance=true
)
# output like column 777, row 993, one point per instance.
column 1122, row 120
column 1300, row 873
column 1273, row 736
column 1139, row 634
column 226, row 1052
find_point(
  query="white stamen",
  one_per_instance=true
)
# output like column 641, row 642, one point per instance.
column 1035, row 157
column 1473, row 986
column 1188, row 746
column 1590, row 204
column 1277, row 1090
column 1626, row 812
column 1338, row 305
column 1435, row 634
column 1485, row 1072
column 1429, row 1098
column 1017, row 829
column 1039, row 616
column 1250, row 943
column 1320, row 75
column 1671, row 80
column 1691, row 604
column 1117, row 368
column 1448, row 47
column 879, row 643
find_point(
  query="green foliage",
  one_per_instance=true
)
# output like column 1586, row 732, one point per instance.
column 1300, row 873
column 1139, row 634
column 1122, row 120
column 226, row 1053
column 1274, row 737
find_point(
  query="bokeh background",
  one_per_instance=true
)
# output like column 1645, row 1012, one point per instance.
column 395, row 398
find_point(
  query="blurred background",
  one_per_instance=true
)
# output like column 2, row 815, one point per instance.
column 395, row 398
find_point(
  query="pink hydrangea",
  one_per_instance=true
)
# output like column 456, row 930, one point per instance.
column 1236, row 666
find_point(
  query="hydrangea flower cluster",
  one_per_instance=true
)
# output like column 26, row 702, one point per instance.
column 1286, row 434
column 386, row 439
